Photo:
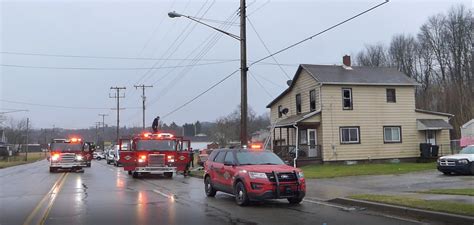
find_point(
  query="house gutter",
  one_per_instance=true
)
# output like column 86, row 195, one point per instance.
column 297, row 144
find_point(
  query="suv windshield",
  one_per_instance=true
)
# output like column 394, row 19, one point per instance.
column 258, row 158
column 65, row 147
column 156, row 145
column 467, row 150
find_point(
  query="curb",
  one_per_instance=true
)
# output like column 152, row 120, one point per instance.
column 195, row 175
column 406, row 211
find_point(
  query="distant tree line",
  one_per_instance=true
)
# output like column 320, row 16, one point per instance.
column 439, row 57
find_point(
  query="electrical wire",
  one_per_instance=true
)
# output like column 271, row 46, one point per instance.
column 111, row 68
column 56, row 106
column 319, row 33
column 260, row 84
column 266, row 48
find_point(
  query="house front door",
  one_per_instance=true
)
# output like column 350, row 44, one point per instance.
column 312, row 143
column 431, row 137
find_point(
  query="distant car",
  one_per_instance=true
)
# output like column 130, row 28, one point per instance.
column 252, row 175
column 203, row 156
column 98, row 155
column 110, row 156
column 462, row 163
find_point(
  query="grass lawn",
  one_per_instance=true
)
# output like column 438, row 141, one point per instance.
column 20, row 159
column 435, row 205
column 461, row 191
column 330, row 171
column 197, row 173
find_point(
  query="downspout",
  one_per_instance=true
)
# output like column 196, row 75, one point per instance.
column 297, row 144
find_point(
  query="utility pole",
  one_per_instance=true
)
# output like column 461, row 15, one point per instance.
column 97, row 125
column 103, row 128
column 243, row 75
column 143, row 99
column 27, row 131
column 118, row 97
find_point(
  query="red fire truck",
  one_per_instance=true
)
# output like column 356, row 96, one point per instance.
column 67, row 154
column 155, row 153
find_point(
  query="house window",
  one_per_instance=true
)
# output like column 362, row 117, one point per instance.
column 312, row 100
column 298, row 103
column 347, row 98
column 391, row 95
column 303, row 138
column 392, row 134
column 279, row 111
column 350, row 135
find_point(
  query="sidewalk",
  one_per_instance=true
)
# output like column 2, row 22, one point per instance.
column 405, row 184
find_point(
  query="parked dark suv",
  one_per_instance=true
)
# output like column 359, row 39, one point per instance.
column 252, row 175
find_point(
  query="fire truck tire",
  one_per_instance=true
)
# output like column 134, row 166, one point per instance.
column 210, row 191
column 135, row 175
column 52, row 170
column 241, row 197
column 168, row 174
column 129, row 172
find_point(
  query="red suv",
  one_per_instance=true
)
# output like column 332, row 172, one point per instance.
column 252, row 175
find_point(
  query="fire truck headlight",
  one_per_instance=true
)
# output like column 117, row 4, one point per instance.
column 171, row 159
column 79, row 157
column 141, row 160
column 55, row 157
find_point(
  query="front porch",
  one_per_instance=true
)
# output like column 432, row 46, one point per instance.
column 299, row 136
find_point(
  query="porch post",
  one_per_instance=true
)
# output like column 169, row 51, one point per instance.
column 288, row 136
column 273, row 141
column 281, row 144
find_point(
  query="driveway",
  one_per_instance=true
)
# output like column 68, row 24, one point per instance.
column 406, row 184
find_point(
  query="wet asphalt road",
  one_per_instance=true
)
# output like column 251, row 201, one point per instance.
column 104, row 194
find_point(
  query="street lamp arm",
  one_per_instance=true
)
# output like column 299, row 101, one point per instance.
column 175, row 14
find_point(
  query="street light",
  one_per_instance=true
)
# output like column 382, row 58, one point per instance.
column 243, row 64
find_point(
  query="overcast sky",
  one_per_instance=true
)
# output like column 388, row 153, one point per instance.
column 142, row 29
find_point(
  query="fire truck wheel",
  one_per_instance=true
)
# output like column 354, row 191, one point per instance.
column 52, row 170
column 168, row 175
column 210, row 191
column 240, row 193
column 135, row 175
column 129, row 172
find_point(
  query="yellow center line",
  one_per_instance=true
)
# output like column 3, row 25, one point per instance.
column 41, row 203
column 52, row 199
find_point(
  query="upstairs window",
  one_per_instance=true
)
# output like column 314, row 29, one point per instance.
column 391, row 95
column 298, row 103
column 312, row 100
column 347, row 98
column 280, row 114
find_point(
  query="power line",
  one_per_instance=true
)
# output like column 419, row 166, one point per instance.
column 268, row 50
column 319, row 33
column 103, row 57
column 104, row 68
column 260, row 84
column 55, row 106
column 200, row 94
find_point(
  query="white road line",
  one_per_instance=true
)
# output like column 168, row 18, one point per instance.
column 329, row 204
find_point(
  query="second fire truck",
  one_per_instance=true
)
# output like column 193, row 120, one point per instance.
column 155, row 153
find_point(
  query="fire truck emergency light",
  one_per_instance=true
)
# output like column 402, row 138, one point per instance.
column 256, row 146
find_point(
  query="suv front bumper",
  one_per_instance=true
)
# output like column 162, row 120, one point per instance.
column 464, row 169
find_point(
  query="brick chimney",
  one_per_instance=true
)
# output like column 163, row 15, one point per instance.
column 346, row 60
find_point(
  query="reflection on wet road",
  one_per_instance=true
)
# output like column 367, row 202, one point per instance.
column 107, row 195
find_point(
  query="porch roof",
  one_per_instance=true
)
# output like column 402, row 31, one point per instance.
column 432, row 124
column 295, row 119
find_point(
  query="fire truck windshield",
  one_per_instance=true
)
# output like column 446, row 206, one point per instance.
column 65, row 147
column 156, row 145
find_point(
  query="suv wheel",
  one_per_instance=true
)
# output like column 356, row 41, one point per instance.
column 472, row 168
column 210, row 191
column 240, row 193
column 295, row 200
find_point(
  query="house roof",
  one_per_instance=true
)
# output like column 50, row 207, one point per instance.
column 434, row 113
column 464, row 126
column 356, row 75
column 433, row 124
column 294, row 119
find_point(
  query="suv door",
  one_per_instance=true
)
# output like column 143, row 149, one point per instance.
column 229, row 170
column 217, row 168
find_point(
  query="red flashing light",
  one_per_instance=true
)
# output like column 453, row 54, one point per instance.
column 146, row 135
column 143, row 157
column 73, row 140
column 256, row 146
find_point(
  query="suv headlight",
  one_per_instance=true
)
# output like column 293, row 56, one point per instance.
column 463, row 161
column 79, row 157
column 256, row 175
